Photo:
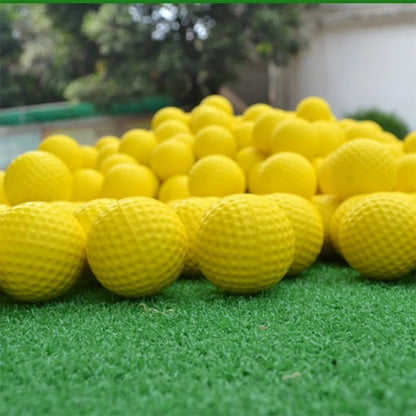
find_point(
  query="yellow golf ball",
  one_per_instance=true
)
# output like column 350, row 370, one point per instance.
column 326, row 206
column 330, row 136
column 245, row 244
column 175, row 187
column 137, row 247
column 3, row 199
column 89, row 211
column 295, row 135
column 191, row 211
column 42, row 251
column 219, row 102
column 171, row 157
column 216, row 175
column 286, row 172
column 409, row 143
column 243, row 134
column 168, row 113
column 307, row 228
column 170, row 128
column 105, row 140
column 214, row 140
column 37, row 176
column 86, row 184
column 314, row 108
column 89, row 156
column 139, row 144
column 263, row 128
column 207, row 115
column 126, row 180
column 256, row 110
column 378, row 236
column 357, row 167
column 64, row 147
column 107, row 150
column 68, row 206
column 406, row 173
column 248, row 157
column 338, row 218
column 115, row 159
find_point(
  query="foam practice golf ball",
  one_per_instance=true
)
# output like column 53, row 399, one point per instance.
column 191, row 211
column 326, row 206
column 37, row 176
column 357, row 167
column 138, row 143
column 245, row 244
column 42, row 251
column 137, row 247
column 126, row 179
column 216, row 175
column 176, row 187
column 307, row 228
column 64, row 147
column 378, row 236
column 89, row 211
column 286, row 172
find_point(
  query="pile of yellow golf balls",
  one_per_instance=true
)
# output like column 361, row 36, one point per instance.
column 243, row 200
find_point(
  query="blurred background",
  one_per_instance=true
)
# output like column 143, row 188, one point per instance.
column 90, row 70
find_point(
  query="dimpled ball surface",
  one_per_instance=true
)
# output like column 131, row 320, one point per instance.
column 125, row 180
column 358, row 167
column 216, row 175
column 245, row 244
column 191, row 211
column 69, row 206
column 42, row 251
column 307, row 228
column 176, row 187
column 167, row 113
column 378, row 236
column 3, row 199
column 338, row 218
column 89, row 211
column 64, row 147
column 214, row 140
column 37, row 176
column 326, row 206
column 314, row 108
column 295, row 135
column 286, row 172
column 406, row 173
column 86, row 184
column 137, row 247
column 138, row 143
column 409, row 143
column 220, row 102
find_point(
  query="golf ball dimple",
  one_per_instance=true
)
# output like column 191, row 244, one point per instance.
column 42, row 251
column 378, row 236
column 245, row 244
column 137, row 246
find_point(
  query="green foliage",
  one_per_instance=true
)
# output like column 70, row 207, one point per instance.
column 42, row 51
column 108, row 52
column 187, row 51
column 16, row 85
column 388, row 121
column 93, row 88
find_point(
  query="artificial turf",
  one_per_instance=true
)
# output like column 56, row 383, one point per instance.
column 325, row 343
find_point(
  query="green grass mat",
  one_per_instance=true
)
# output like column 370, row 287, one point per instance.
column 325, row 343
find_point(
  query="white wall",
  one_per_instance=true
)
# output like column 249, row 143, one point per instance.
column 359, row 67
